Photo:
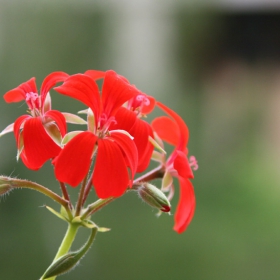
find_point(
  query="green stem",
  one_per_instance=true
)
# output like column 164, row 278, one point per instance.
column 18, row 183
column 156, row 173
column 85, row 248
column 66, row 242
column 95, row 206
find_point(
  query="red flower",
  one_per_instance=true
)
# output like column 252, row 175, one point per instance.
column 116, row 151
column 174, row 131
column 36, row 133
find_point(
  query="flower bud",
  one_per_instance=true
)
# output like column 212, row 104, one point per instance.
column 154, row 197
column 62, row 265
column 70, row 260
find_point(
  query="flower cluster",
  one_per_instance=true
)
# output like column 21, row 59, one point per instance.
column 116, row 144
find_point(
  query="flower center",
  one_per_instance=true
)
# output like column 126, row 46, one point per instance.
column 33, row 101
column 104, row 124
column 31, row 96
column 137, row 103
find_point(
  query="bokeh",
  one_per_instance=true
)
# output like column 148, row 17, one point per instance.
column 218, row 66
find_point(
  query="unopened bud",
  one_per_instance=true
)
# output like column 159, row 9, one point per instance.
column 154, row 197
column 62, row 265
column 70, row 260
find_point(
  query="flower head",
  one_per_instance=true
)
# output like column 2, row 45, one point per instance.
column 117, row 155
column 37, row 134
column 174, row 131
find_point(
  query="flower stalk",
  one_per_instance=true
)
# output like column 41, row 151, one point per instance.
column 19, row 184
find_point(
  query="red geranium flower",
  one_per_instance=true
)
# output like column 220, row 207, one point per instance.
column 116, row 151
column 175, row 132
column 36, row 134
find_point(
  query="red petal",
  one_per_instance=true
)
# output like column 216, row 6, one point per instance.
column 125, row 119
column 14, row 95
column 59, row 120
column 141, row 131
column 38, row 145
column 73, row 163
column 25, row 161
column 50, row 81
column 18, row 94
column 95, row 74
column 167, row 130
column 84, row 89
column 186, row 206
column 129, row 150
column 181, row 164
column 110, row 177
column 184, row 132
column 116, row 91
column 19, row 121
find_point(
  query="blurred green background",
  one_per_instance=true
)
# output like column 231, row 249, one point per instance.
column 216, row 65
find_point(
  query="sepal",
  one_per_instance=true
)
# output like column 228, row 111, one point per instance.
column 158, row 157
column 20, row 146
column 72, row 118
column 156, row 145
column 167, row 181
column 53, row 132
column 47, row 103
column 60, row 216
column 69, row 136
column 8, row 129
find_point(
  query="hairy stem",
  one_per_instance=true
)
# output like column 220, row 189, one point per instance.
column 88, row 188
column 14, row 183
column 65, row 193
column 80, row 199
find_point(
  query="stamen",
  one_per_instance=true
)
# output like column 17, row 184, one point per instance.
column 143, row 99
column 32, row 96
column 193, row 163
column 104, row 123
